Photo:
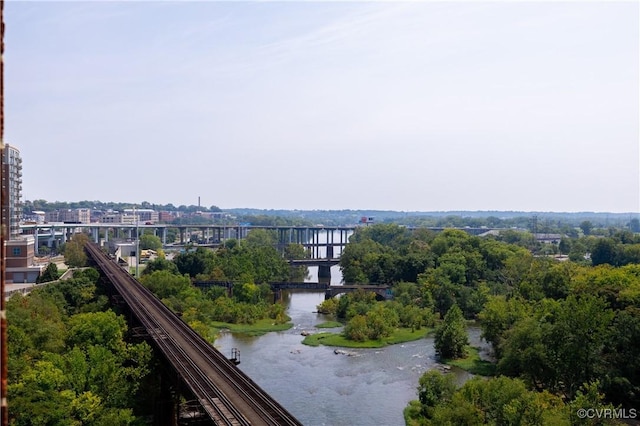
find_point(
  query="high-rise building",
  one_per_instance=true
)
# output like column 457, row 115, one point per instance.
column 12, row 187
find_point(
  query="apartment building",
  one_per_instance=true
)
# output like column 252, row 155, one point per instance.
column 12, row 182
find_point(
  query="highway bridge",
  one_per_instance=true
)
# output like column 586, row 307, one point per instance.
column 226, row 395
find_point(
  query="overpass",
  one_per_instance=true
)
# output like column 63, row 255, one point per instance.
column 315, row 239
column 225, row 395
column 320, row 241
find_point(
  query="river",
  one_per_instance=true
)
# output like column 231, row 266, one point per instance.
column 319, row 387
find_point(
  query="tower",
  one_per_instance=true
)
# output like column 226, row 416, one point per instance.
column 12, row 182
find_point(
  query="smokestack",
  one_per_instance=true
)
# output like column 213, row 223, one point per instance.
column 198, row 201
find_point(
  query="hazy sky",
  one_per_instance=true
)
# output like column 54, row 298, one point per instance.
column 530, row 106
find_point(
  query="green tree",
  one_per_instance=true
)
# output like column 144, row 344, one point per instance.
column 499, row 315
column 97, row 328
column 381, row 321
column 196, row 262
column 297, row 252
column 261, row 238
column 160, row 264
column 357, row 329
column 74, row 254
column 164, row 284
column 150, row 241
column 621, row 383
column 435, row 389
column 604, row 252
column 50, row 274
column 586, row 227
column 565, row 245
column 451, row 335
column 561, row 346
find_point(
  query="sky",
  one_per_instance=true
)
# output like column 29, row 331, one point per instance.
column 364, row 105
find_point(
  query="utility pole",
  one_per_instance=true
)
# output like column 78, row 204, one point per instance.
column 4, row 354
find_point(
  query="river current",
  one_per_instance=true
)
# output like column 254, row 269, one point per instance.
column 367, row 387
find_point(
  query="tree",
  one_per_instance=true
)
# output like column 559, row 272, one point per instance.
column 164, row 284
column 260, row 238
column 622, row 381
column 565, row 245
column 498, row 315
column 74, row 254
column 381, row 321
column 451, row 335
column 50, row 274
column 561, row 345
column 297, row 252
column 586, row 227
column 97, row 328
column 150, row 241
column 160, row 264
column 604, row 252
column 435, row 388
column 195, row 262
column 356, row 329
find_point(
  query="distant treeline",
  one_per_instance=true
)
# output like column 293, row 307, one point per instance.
column 533, row 221
column 47, row 206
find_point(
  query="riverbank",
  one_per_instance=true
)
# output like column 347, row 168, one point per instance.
column 370, row 387
column 401, row 335
column 259, row 328
column 473, row 363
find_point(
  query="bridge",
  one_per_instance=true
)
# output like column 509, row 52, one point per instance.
column 225, row 395
column 310, row 237
column 320, row 241
column 314, row 262
column 383, row 291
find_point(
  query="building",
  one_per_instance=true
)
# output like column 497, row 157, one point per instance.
column 20, row 266
column 12, row 184
column 36, row 216
column 20, row 256
column 142, row 215
column 166, row 216
column 52, row 216
column 111, row 217
column 81, row 215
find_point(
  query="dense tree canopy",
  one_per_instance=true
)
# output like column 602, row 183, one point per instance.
column 68, row 360
column 563, row 331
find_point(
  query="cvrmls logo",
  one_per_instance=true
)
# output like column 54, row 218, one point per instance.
column 607, row 413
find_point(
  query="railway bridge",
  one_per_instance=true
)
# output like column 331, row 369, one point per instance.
column 383, row 292
column 224, row 394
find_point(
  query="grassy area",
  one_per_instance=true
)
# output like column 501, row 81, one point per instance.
column 329, row 324
column 332, row 339
column 473, row 364
column 261, row 327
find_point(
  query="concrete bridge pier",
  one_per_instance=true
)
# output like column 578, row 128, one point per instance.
column 166, row 406
column 277, row 295
column 324, row 272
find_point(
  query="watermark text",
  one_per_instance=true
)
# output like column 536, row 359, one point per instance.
column 607, row 413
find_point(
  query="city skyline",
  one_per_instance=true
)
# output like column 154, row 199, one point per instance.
column 408, row 106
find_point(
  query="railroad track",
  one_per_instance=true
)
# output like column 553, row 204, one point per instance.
column 225, row 393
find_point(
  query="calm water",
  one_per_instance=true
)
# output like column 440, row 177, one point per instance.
column 320, row 387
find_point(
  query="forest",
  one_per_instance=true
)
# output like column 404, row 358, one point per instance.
column 565, row 333
column 563, row 321
column 71, row 361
